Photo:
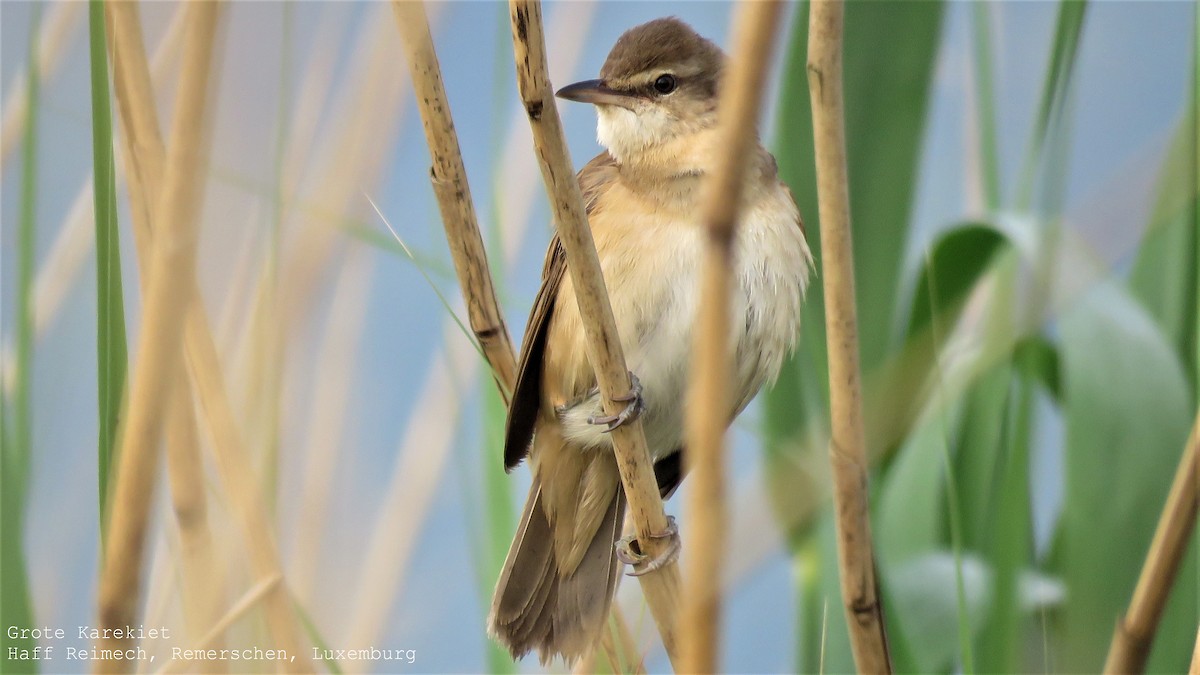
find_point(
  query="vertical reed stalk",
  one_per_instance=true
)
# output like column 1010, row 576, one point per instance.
column 449, row 178
column 847, row 449
column 141, row 124
column 661, row 586
column 172, row 271
column 1134, row 634
column 202, row 585
column 709, row 400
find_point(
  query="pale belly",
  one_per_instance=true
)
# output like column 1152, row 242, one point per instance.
column 653, row 282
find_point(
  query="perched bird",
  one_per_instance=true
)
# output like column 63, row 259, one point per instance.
column 656, row 102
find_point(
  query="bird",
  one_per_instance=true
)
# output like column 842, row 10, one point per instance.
column 656, row 105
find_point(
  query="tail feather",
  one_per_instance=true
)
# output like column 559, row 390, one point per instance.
column 536, row 606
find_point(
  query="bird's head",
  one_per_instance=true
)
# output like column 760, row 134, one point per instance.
column 657, row 90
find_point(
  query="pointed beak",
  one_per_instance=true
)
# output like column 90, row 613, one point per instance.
column 596, row 92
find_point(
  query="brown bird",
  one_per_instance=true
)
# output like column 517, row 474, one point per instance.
column 656, row 102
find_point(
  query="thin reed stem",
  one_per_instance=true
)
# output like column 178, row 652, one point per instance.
column 847, row 448
column 172, row 271
column 661, row 586
column 449, row 178
column 1134, row 634
column 135, row 99
column 709, row 399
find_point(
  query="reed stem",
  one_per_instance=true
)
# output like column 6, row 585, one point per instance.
column 709, row 400
column 847, row 448
column 449, row 178
column 167, row 299
column 661, row 587
column 1134, row 634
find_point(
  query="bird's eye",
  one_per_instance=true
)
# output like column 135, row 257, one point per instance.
column 665, row 84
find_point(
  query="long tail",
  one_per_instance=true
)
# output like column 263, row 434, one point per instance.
column 536, row 606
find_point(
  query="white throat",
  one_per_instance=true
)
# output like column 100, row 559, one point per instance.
column 626, row 133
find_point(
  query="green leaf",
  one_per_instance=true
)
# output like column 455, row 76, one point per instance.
column 1127, row 417
column 930, row 607
column 111, row 355
column 985, row 105
column 1055, row 88
column 952, row 269
column 1165, row 277
column 16, row 608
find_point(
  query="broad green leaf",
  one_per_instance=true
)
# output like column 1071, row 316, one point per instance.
column 955, row 264
column 1127, row 415
column 1165, row 274
column 111, row 356
column 926, row 601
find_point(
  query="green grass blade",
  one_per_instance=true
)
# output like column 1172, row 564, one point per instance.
column 985, row 104
column 1123, row 388
column 1068, row 28
column 16, row 608
column 111, row 355
column 499, row 519
column 1007, row 542
column 1165, row 276
column 314, row 635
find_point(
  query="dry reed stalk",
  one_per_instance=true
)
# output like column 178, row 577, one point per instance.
column 241, row 606
column 135, row 98
column 233, row 465
column 144, row 157
column 415, row 478
column 335, row 366
column 449, row 178
column 54, row 36
column 202, row 585
column 847, row 445
column 1134, row 633
column 619, row 646
column 167, row 298
column 369, row 116
column 1194, row 668
column 76, row 234
column 516, row 186
column 661, row 586
column 708, row 402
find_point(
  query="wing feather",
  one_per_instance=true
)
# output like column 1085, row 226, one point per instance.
column 593, row 179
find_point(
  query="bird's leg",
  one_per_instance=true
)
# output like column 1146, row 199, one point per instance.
column 630, row 412
column 629, row 552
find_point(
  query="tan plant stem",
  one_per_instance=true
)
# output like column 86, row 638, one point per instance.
column 145, row 155
column 172, row 272
column 661, row 587
column 847, row 449
column 203, row 586
column 1134, row 634
column 709, row 398
column 449, row 178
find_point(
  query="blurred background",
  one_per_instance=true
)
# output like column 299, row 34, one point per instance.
column 1023, row 186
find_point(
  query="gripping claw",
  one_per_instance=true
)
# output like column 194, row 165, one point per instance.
column 630, row 553
column 630, row 412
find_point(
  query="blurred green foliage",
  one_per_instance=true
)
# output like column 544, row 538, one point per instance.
column 970, row 370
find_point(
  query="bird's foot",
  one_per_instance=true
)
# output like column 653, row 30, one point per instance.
column 630, row 412
column 630, row 553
